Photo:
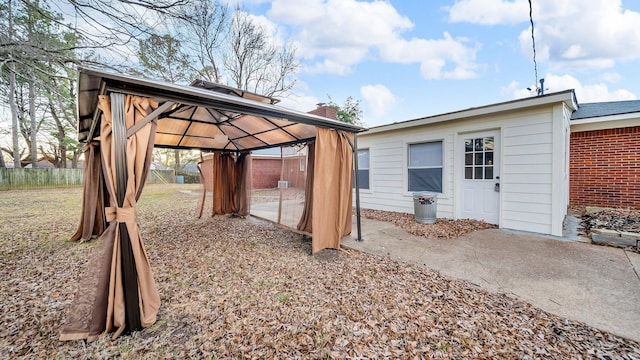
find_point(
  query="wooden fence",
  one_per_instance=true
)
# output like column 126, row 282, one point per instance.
column 22, row 179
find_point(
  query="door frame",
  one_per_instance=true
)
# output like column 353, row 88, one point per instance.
column 458, row 172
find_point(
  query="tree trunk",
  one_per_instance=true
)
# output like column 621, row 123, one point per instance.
column 176, row 153
column 2, row 164
column 14, row 114
column 12, row 100
column 74, row 160
column 34, row 126
column 61, row 161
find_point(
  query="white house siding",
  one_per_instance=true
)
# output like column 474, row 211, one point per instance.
column 388, row 169
column 533, row 168
column 527, row 172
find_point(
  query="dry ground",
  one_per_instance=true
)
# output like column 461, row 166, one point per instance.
column 242, row 288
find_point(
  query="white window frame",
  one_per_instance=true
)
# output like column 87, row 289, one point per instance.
column 441, row 166
column 368, row 169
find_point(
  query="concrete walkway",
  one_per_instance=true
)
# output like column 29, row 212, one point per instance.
column 594, row 284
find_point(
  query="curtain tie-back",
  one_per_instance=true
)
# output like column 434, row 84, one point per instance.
column 121, row 215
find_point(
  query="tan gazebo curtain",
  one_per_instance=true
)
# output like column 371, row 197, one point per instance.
column 123, row 273
column 231, row 184
column 92, row 221
column 305, row 223
column 205, row 168
column 332, row 188
column 243, row 166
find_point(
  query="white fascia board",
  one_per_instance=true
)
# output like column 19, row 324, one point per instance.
column 567, row 96
column 606, row 122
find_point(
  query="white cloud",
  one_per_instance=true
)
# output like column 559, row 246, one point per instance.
column 379, row 100
column 594, row 35
column 599, row 92
column 335, row 35
column 443, row 58
column 587, row 93
column 299, row 98
column 299, row 102
column 611, row 77
column 512, row 88
column 489, row 12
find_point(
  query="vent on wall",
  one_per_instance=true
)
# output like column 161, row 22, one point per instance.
column 283, row 184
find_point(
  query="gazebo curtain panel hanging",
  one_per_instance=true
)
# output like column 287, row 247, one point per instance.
column 92, row 221
column 231, row 184
column 332, row 188
column 126, row 298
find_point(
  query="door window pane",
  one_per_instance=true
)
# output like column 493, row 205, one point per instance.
column 478, row 145
column 468, row 159
column 478, row 158
column 468, row 172
column 488, row 158
column 488, row 172
column 468, row 145
column 478, row 172
column 488, row 143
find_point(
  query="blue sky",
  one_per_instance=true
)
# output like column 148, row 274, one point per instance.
column 408, row 59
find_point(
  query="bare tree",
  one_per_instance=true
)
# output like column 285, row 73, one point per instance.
column 254, row 63
column 12, row 91
column 209, row 24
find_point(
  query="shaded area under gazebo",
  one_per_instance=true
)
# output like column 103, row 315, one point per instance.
column 121, row 120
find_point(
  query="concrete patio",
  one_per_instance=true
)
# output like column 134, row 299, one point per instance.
column 593, row 284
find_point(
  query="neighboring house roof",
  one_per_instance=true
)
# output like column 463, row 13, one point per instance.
column 43, row 164
column 566, row 96
column 606, row 115
column 159, row 166
column 599, row 109
column 190, row 167
column 275, row 152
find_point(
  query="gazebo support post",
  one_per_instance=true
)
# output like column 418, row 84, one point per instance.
column 129, row 272
column 357, row 185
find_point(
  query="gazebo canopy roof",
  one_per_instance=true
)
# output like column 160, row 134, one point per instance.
column 204, row 116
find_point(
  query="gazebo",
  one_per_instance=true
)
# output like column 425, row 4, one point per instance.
column 122, row 118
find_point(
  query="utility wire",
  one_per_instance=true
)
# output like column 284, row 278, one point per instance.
column 533, row 40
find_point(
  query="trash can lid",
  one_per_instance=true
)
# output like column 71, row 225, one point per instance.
column 418, row 194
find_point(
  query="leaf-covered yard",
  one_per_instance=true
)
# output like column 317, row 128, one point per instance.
column 243, row 288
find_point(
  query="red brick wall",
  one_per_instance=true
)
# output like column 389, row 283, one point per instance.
column 265, row 173
column 605, row 168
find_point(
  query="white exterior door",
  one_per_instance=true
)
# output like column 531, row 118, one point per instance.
column 480, row 176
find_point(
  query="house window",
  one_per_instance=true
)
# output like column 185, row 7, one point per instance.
column 478, row 158
column 363, row 168
column 425, row 167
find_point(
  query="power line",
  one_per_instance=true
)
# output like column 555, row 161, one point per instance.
column 533, row 41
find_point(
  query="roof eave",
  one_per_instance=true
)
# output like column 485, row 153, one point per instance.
column 567, row 96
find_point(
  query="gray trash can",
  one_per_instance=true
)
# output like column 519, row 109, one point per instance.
column 424, row 207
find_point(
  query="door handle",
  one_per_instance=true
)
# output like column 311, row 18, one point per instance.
column 496, row 188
